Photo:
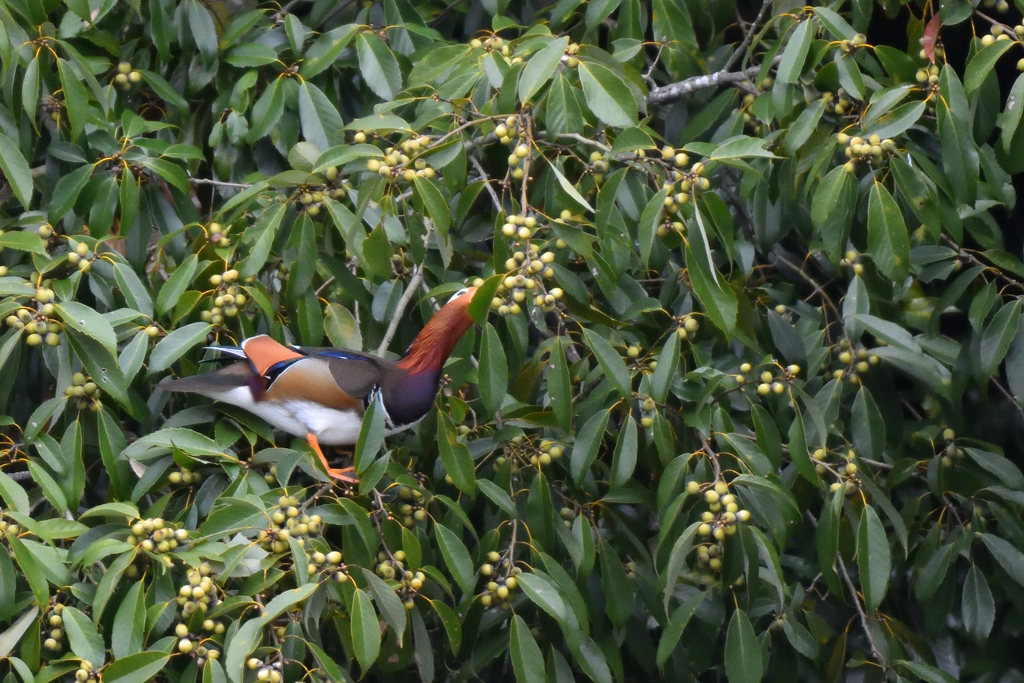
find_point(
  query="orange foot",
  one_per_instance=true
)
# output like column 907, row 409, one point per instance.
column 342, row 474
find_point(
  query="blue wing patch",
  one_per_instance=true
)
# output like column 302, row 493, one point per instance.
column 345, row 355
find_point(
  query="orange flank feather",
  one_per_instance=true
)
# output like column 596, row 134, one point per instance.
column 263, row 352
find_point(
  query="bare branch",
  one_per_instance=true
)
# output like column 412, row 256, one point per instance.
column 674, row 91
column 487, row 183
column 738, row 54
column 218, row 183
column 414, row 283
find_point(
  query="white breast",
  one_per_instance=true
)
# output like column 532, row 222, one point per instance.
column 299, row 418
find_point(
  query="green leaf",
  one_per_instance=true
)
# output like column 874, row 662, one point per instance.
column 250, row 54
column 23, row 241
column 899, row 120
column 1011, row 559
column 668, row 361
column 493, row 371
column 998, row 336
column 867, row 425
column 450, row 621
column 136, row 668
column 365, row 630
column 718, row 299
column 455, row 555
column 570, row 189
column 606, row 94
column 176, row 344
column 326, row 49
column 126, row 636
column 371, row 435
column 434, row 202
column 388, row 602
column 527, row 659
column 625, row 455
column 559, row 387
column 925, row 672
column 1009, row 118
column 378, row 66
column 16, row 170
column 540, row 68
column 455, row 457
column 887, row 234
column 12, row 636
column 66, row 191
column 588, row 443
column 982, row 63
column 795, row 54
column 611, row 362
column 83, row 637
column 321, row 123
column 873, row 558
column 742, row 651
column 76, row 97
column 87, row 321
column 497, row 496
column 544, row 593
column 266, row 112
column 176, row 285
column 977, row 608
column 676, row 624
column 648, row 225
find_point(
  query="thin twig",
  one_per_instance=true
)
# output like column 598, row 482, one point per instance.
column 747, row 38
column 650, row 69
column 1008, row 395
column 860, row 609
column 443, row 14
column 414, row 283
column 674, row 91
column 487, row 183
column 219, row 183
column 586, row 141
column 711, row 454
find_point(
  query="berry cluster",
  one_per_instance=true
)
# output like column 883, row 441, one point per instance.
column 36, row 321
column 688, row 326
column 288, row 522
column 851, row 259
column 226, row 298
column 311, row 198
column 769, row 382
column 126, row 76
column 266, row 671
column 183, row 475
column 218, row 234
column 85, row 672
column 398, row 163
column 412, row 509
column 718, row 521
column 154, row 535
column 393, row 568
column 53, row 631
column 501, row 581
column 196, row 645
column 842, row 467
column 199, row 593
column 840, row 103
column 950, row 453
column 8, row 528
column 491, row 43
column 682, row 185
column 855, row 361
column 872, row 151
column 80, row 255
column 521, row 450
column 85, row 392
column 330, row 564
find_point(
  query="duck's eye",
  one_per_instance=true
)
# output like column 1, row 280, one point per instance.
column 459, row 293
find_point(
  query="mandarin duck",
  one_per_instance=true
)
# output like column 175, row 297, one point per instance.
column 321, row 394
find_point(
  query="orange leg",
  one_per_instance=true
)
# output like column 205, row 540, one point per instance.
column 342, row 474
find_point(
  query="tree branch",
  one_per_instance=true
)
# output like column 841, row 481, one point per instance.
column 414, row 283
column 674, row 91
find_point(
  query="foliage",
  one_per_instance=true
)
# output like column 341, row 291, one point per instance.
column 742, row 402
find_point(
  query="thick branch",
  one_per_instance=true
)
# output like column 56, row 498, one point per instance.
column 674, row 91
